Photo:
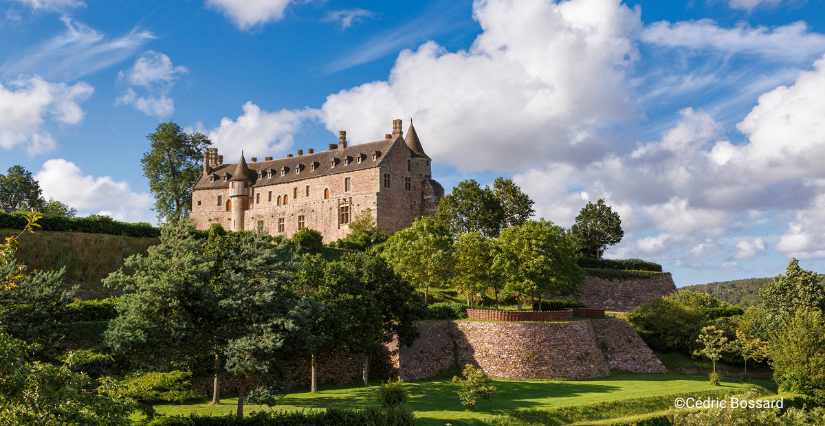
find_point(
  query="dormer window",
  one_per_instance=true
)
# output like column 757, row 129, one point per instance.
column 313, row 166
column 376, row 154
column 347, row 160
column 360, row 156
column 298, row 168
column 334, row 162
column 283, row 171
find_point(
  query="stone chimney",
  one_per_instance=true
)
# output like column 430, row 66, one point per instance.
column 342, row 139
column 388, row 136
column 333, row 146
column 396, row 129
column 300, row 152
column 254, row 159
column 211, row 159
column 310, row 151
column 289, row 156
column 267, row 158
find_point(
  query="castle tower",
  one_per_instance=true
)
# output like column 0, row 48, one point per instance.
column 239, row 185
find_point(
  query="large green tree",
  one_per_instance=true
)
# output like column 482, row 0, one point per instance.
column 471, row 208
column 472, row 255
column 18, row 189
column 56, row 208
column 797, row 353
column 172, row 165
column 597, row 227
column 422, row 254
column 517, row 206
column 538, row 258
column 786, row 294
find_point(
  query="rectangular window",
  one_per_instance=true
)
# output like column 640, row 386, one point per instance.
column 307, row 193
column 300, row 222
column 347, row 184
column 343, row 216
column 220, row 200
column 281, row 225
column 386, row 180
column 258, row 198
column 294, row 193
column 270, row 196
column 407, row 184
column 199, row 203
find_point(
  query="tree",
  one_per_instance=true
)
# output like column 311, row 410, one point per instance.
column 597, row 226
column 469, row 208
column 517, row 206
column 537, row 257
column 713, row 343
column 751, row 348
column 56, row 208
column 11, row 272
column 19, row 190
column 172, row 165
column 469, row 252
column 797, row 289
column 797, row 354
column 475, row 385
column 422, row 254
column 364, row 232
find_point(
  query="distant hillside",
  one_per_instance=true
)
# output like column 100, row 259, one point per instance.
column 738, row 292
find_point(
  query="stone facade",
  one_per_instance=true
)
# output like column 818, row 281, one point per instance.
column 322, row 190
column 625, row 295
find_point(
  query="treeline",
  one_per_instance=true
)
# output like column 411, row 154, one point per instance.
column 743, row 292
column 90, row 225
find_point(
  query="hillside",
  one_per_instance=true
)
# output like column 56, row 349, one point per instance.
column 738, row 292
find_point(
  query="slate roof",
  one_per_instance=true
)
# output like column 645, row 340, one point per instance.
column 346, row 161
column 241, row 171
column 414, row 143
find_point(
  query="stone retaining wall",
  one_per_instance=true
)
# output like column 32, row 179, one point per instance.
column 625, row 295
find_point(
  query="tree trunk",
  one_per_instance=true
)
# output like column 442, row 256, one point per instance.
column 241, row 392
column 314, row 386
column 496, row 293
column 366, row 369
column 540, row 301
column 518, row 302
column 426, row 295
column 468, row 299
column 746, row 366
column 216, row 389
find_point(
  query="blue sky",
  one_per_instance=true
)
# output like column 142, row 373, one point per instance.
column 701, row 122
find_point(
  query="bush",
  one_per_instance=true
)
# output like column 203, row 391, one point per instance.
column 619, row 275
column 331, row 417
column 714, row 378
column 723, row 312
column 446, row 311
column 557, row 305
column 90, row 225
column 393, row 393
column 621, row 265
column 308, row 238
column 475, row 385
column 92, row 310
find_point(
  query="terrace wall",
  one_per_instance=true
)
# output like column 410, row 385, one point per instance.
column 625, row 295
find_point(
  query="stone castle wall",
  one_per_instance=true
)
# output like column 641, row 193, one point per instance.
column 617, row 295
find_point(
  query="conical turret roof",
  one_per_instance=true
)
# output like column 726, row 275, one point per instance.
column 414, row 143
column 241, row 172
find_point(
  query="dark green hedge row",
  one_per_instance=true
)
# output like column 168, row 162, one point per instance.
column 446, row 311
column 661, row 420
column 611, row 274
column 90, row 225
column 330, row 417
column 723, row 312
column 619, row 265
column 86, row 331
column 557, row 305
column 92, row 310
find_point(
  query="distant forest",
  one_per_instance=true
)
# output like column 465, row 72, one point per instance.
column 738, row 292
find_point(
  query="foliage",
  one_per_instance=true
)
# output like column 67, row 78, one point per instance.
column 621, row 265
column 475, row 385
column 19, row 190
column 172, row 165
column 557, row 305
column 714, row 378
column 673, row 325
column 153, row 387
column 731, row 415
column 11, row 272
column 597, row 227
column 89, row 224
column 36, row 393
column 469, row 208
column 329, row 417
column 422, row 254
column 85, row 332
column 308, row 238
column 797, row 354
column 469, row 251
column 56, row 208
column 364, row 233
column 517, row 206
column 446, row 311
column 92, row 310
column 797, row 289
column 750, row 348
column 611, row 274
column 713, row 343
column 743, row 293
column 536, row 257
column 393, row 393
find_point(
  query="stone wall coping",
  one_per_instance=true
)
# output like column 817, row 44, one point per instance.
column 567, row 314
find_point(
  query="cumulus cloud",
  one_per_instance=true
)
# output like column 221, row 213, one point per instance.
column 805, row 237
column 154, row 73
column 249, row 13
column 747, row 250
column 78, row 51
column 516, row 72
column 258, row 132
column 52, row 4
column 64, row 181
column 753, row 4
column 347, row 17
column 29, row 106
column 789, row 42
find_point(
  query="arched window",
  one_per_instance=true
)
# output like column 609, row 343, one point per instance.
column 279, row 200
column 229, row 205
column 286, row 199
column 326, row 193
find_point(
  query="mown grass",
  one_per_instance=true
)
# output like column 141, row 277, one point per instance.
column 435, row 402
column 88, row 258
column 675, row 360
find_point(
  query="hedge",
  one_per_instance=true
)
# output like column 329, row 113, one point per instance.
column 557, row 305
column 90, row 225
column 612, row 274
column 92, row 310
column 619, row 265
column 330, row 417
column 446, row 311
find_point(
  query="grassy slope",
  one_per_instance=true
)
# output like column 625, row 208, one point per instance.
column 88, row 258
column 435, row 402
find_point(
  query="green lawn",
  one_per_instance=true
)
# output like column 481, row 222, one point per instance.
column 435, row 402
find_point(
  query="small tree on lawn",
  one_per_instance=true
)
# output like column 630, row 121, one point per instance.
column 751, row 348
column 475, row 385
column 422, row 254
column 713, row 343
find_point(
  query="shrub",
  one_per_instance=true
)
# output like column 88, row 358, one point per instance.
column 309, row 239
column 331, row 417
column 622, row 265
column 620, row 275
column 557, row 305
column 393, row 393
column 714, row 378
column 90, row 225
column 798, row 355
column 475, row 385
column 92, row 310
column 446, row 311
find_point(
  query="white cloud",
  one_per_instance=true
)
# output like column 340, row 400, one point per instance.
column 64, row 181
column 753, row 4
column 52, row 4
column 258, row 132
column 30, row 104
column 516, row 72
column 80, row 50
column 747, row 250
column 789, row 42
column 154, row 72
column 248, row 13
column 347, row 17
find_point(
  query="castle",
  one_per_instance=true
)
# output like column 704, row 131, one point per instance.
column 322, row 190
